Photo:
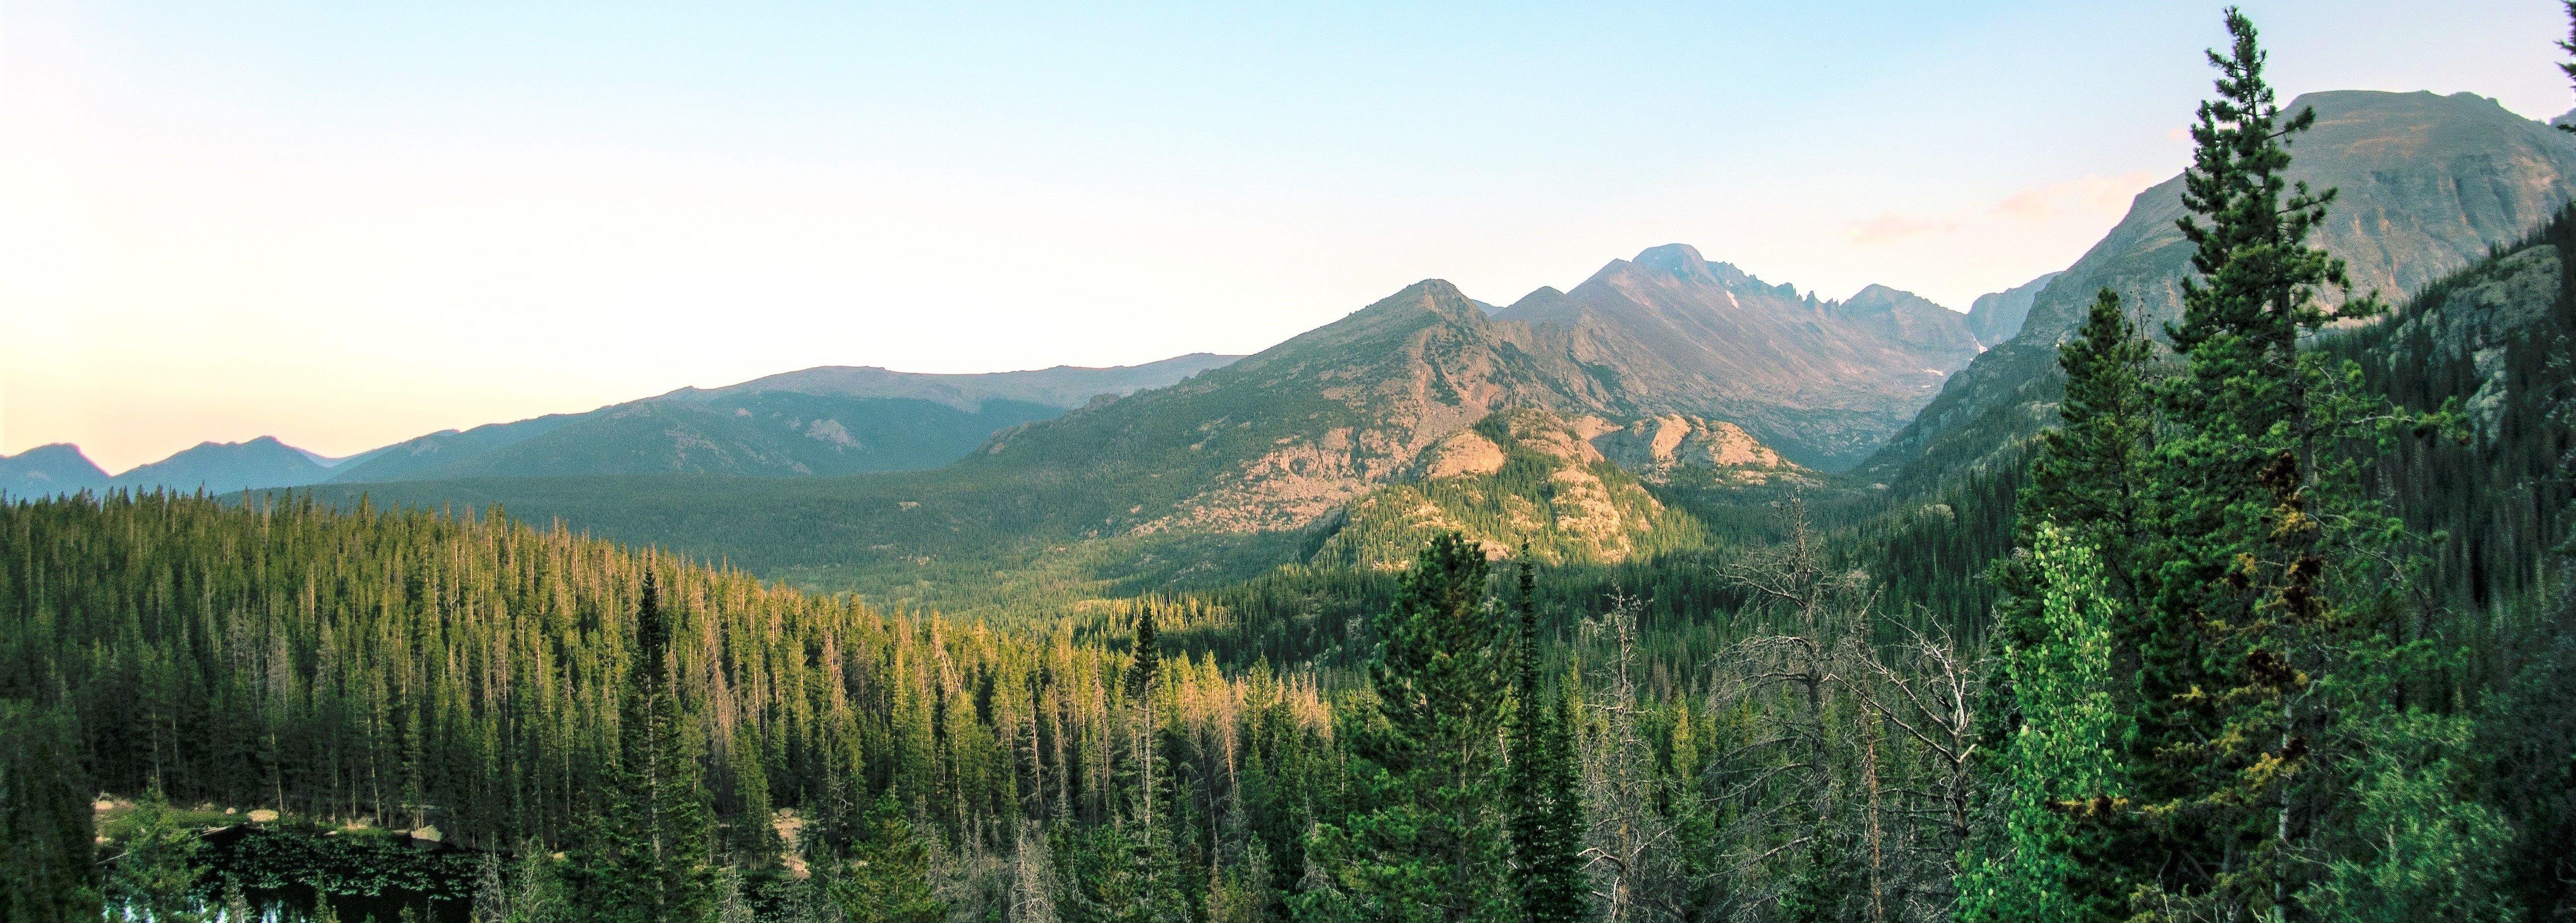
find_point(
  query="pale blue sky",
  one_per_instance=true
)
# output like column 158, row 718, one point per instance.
column 346, row 224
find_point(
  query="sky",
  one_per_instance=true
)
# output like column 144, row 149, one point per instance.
column 350, row 224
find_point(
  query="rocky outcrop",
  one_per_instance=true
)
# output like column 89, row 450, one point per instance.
column 1657, row 448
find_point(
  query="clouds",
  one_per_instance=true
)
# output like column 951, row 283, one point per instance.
column 2085, row 202
column 2084, row 196
column 1890, row 227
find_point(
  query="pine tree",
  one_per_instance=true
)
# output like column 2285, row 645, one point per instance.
column 753, row 840
column 886, row 876
column 1144, row 674
column 2257, row 527
column 2077, row 525
column 1546, row 808
column 648, row 861
column 48, row 867
column 1429, row 844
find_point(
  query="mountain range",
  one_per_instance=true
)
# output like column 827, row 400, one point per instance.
column 818, row 421
column 45, row 470
column 1824, row 381
column 1571, row 419
column 2425, row 185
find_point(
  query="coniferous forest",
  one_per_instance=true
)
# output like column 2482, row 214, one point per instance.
column 2273, row 620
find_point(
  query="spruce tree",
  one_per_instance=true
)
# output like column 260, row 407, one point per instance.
column 648, row 860
column 886, row 878
column 1427, row 844
column 1546, row 808
column 2260, row 542
column 2077, row 527
column 48, row 867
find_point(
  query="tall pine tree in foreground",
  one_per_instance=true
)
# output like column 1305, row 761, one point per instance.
column 2266, row 578
column 1546, row 808
column 1427, row 844
column 648, row 861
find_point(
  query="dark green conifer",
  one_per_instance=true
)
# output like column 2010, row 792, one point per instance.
column 886, row 877
column 648, row 860
column 48, row 867
column 2249, row 513
column 1429, row 843
column 1546, row 808
column 2033, row 863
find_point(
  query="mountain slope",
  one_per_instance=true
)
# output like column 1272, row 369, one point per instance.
column 47, row 470
column 760, row 434
column 224, row 467
column 1223, row 475
column 1824, row 381
column 1059, row 386
column 2427, row 184
column 1281, row 438
column 820, row 421
column 422, row 457
column 1570, row 489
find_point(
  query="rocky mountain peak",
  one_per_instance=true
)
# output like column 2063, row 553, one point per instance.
column 1683, row 262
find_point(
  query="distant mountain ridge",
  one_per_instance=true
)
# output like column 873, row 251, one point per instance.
column 820, row 421
column 1996, row 318
column 1823, row 381
column 1058, row 386
column 2427, row 184
column 827, row 420
column 49, row 470
column 227, row 467
column 1284, row 438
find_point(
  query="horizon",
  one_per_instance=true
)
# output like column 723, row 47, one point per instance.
column 347, row 228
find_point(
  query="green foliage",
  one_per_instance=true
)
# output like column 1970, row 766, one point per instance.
column 647, row 859
column 2431, row 851
column 1542, row 789
column 2058, row 776
column 1425, row 842
column 2252, row 518
column 48, row 867
column 885, row 875
column 1116, row 874
column 155, row 871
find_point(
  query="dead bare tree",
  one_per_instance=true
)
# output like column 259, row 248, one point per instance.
column 1924, row 688
column 1619, row 779
column 1858, row 748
